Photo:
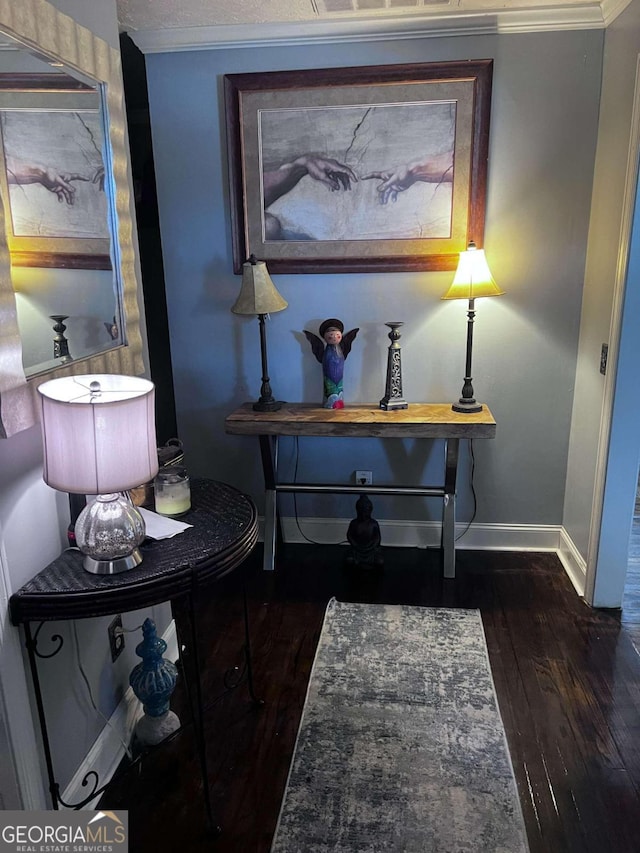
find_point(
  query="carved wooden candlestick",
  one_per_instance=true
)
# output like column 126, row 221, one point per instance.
column 393, row 389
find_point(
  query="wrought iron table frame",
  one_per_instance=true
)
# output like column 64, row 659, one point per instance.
column 418, row 420
column 224, row 531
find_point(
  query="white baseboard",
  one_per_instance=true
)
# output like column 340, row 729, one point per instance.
column 108, row 749
column 426, row 534
column 574, row 563
column 170, row 637
column 478, row 537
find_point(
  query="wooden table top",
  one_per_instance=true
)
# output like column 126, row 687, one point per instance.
column 419, row 420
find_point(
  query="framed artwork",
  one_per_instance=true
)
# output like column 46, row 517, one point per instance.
column 376, row 168
column 52, row 175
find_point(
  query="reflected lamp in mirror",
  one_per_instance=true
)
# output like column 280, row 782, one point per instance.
column 472, row 280
column 99, row 438
column 259, row 297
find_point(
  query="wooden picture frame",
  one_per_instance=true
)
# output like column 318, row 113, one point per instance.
column 52, row 180
column 377, row 168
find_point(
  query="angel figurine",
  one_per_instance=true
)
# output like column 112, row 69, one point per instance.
column 112, row 329
column 331, row 350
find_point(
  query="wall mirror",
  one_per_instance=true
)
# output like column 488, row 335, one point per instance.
column 68, row 268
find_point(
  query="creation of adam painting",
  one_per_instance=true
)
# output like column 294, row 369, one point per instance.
column 52, row 173
column 380, row 172
column 359, row 169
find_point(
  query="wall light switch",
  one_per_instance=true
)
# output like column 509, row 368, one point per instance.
column 603, row 358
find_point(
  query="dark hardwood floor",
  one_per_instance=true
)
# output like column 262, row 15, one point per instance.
column 567, row 679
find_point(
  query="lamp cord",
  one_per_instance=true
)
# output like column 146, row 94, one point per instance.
column 345, row 541
column 473, row 491
column 126, row 746
column 295, row 504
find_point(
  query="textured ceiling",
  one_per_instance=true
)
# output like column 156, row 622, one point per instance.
column 164, row 14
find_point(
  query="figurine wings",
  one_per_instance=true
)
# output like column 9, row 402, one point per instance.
column 318, row 345
column 347, row 339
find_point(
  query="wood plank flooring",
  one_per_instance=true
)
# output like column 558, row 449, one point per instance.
column 567, row 679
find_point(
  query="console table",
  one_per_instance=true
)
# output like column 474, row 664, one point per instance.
column 419, row 420
column 224, row 532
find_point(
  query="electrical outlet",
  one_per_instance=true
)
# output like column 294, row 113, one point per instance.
column 364, row 478
column 116, row 638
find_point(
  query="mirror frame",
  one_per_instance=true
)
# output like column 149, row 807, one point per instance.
column 40, row 27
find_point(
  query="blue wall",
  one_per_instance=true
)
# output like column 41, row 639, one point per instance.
column 543, row 134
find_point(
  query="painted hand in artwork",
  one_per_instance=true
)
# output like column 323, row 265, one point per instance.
column 59, row 183
column 436, row 170
column 331, row 350
column 99, row 178
column 326, row 170
column 336, row 176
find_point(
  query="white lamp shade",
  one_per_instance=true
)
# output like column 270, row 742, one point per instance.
column 98, row 443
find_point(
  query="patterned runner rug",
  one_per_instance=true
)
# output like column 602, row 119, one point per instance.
column 401, row 746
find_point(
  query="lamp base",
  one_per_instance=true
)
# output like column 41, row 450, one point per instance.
column 467, row 406
column 112, row 567
column 109, row 533
column 267, row 405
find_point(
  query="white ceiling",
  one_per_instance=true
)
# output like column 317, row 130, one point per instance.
column 158, row 25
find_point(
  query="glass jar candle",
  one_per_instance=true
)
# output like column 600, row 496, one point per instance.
column 172, row 491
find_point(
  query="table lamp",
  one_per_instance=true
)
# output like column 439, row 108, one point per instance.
column 258, row 296
column 99, row 438
column 472, row 279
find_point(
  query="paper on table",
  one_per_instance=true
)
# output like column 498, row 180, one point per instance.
column 160, row 526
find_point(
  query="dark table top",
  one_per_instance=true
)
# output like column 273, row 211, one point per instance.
column 224, row 532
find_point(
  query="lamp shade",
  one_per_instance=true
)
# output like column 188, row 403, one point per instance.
column 473, row 277
column 258, row 294
column 98, row 433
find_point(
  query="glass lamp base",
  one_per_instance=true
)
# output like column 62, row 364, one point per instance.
column 112, row 567
column 108, row 533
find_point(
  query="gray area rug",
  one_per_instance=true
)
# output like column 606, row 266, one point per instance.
column 401, row 746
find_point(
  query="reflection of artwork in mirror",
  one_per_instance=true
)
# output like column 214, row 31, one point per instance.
column 53, row 175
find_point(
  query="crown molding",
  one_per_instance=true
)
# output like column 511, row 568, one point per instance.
column 437, row 25
column 611, row 9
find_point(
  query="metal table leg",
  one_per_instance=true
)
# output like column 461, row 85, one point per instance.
column 186, row 629
column 31, row 643
column 269, row 453
column 247, row 649
column 449, row 508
